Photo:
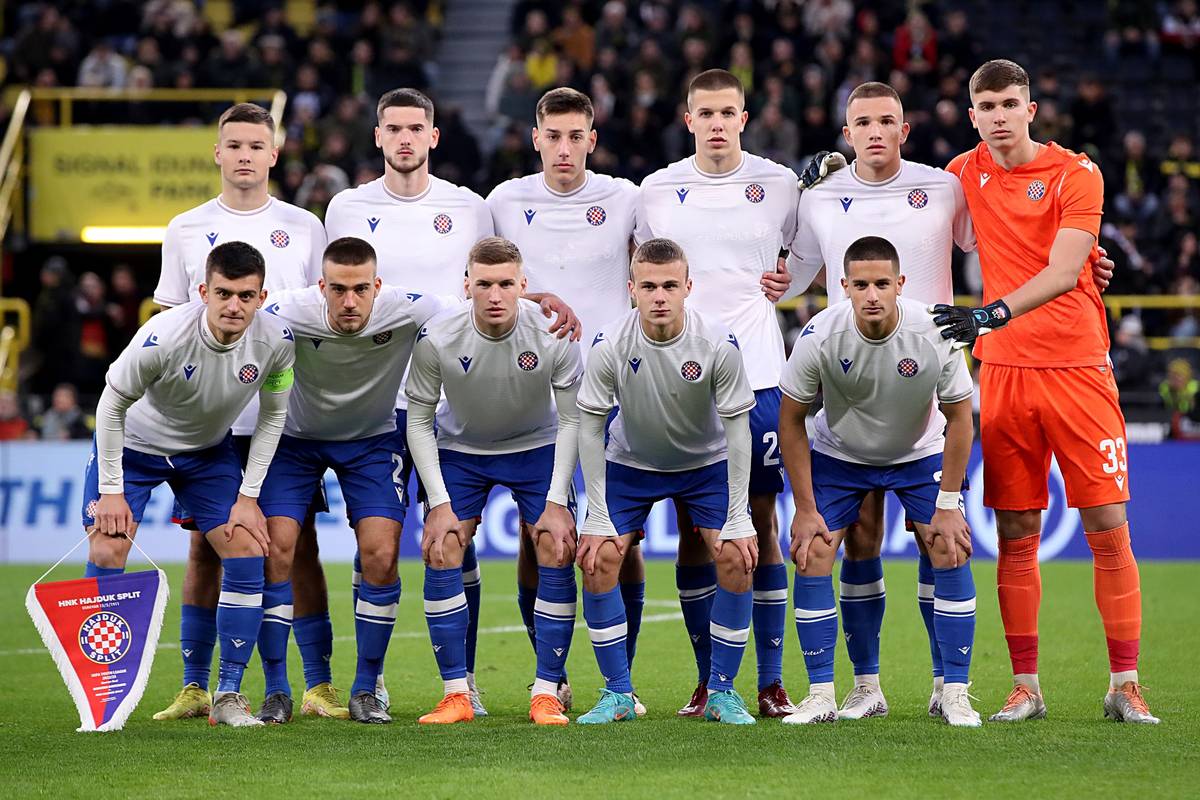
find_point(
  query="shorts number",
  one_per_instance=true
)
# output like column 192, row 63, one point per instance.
column 771, row 457
column 1114, row 451
column 398, row 475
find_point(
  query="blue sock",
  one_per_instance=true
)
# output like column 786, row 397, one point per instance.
column 374, row 618
column 356, row 578
column 273, row 636
column 862, row 600
column 634, row 597
column 446, row 615
column 697, row 586
column 92, row 571
column 555, row 610
column 197, row 638
column 526, row 598
column 473, row 588
column 925, row 601
column 607, row 628
column 239, row 617
column 770, row 621
column 314, row 637
column 816, row 623
column 954, row 619
column 729, row 629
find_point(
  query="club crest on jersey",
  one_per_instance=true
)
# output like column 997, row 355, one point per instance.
column 527, row 361
column 691, row 371
column 755, row 193
column 280, row 239
column 846, row 201
column 442, row 223
column 212, row 238
column 104, row 637
column 634, row 363
column 382, row 338
column 846, row 365
column 188, row 371
column 248, row 373
column 907, row 367
column 682, row 194
column 1036, row 190
column 465, row 361
column 373, row 222
column 529, row 214
column 596, row 216
column 918, row 198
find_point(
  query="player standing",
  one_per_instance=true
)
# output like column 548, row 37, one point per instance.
column 682, row 431
column 499, row 366
column 573, row 228
column 164, row 416
column 732, row 212
column 1046, row 383
column 290, row 240
column 879, row 362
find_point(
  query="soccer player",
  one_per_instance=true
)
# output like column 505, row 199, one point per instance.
column 422, row 227
column 354, row 344
column 922, row 212
column 682, row 431
column 732, row 212
column 164, row 416
column 879, row 362
column 499, row 366
column 1046, row 383
column 573, row 228
column 290, row 240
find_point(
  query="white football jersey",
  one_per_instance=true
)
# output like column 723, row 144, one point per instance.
column 575, row 245
column 921, row 210
column 498, row 391
column 290, row 239
column 732, row 228
column 880, row 396
column 346, row 384
column 188, row 387
column 671, row 394
column 421, row 242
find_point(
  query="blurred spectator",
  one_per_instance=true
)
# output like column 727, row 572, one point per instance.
column 124, row 307
column 103, row 68
column 64, row 419
column 95, row 344
column 231, row 64
column 957, row 48
column 13, row 424
column 576, row 39
column 55, row 324
column 1094, row 118
column 1131, row 358
column 1181, row 160
column 772, row 135
column 1179, row 389
column 828, row 18
column 915, row 49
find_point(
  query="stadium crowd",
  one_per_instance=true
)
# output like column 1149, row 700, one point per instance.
column 798, row 60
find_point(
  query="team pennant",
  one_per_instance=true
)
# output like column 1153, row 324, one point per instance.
column 102, row 633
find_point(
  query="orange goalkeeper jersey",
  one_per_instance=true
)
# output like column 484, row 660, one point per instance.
column 1017, row 214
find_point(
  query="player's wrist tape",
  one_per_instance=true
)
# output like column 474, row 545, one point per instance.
column 948, row 500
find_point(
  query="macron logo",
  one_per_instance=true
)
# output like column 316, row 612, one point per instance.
column 212, row 238
column 558, row 651
column 1120, row 479
column 964, row 650
column 373, row 222
column 846, row 201
column 1086, row 165
column 983, row 179
column 529, row 213
column 599, row 338
column 151, row 341
column 316, row 343
column 413, row 297
column 634, row 363
column 188, row 371
column 846, row 365
column 809, row 328
column 238, row 642
column 682, row 194
column 437, row 648
column 465, row 361
column 733, row 341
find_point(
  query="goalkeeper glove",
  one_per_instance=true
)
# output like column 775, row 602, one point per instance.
column 823, row 164
column 964, row 325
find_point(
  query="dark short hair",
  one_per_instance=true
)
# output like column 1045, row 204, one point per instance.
column 872, row 89
column 658, row 251
column 349, row 251
column 405, row 98
column 235, row 260
column 494, row 250
column 871, row 248
column 999, row 74
column 714, row 80
column 565, row 100
column 247, row 112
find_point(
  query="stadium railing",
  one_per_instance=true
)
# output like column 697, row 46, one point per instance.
column 14, row 338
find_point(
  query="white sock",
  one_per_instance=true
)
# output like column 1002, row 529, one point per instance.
column 1117, row 678
column 1030, row 680
column 471, row 680
column 456, row 686
column 543, row 687
column 938, row 682
column 867, row 680
column 822, row 690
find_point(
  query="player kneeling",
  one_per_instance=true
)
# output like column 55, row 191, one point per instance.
column 498, row 364
column 682, row 431
column 883, row 369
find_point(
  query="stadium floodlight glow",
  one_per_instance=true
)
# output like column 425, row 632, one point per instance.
column 123, row 234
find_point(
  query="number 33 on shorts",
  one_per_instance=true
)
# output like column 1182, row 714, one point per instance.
column 1115, row 461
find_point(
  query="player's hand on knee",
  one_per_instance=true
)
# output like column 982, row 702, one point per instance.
column 113, row 516
column 557, row 523
column 439, row 523
column 589, row 548
column 806, row 527
column 746, row 548
column 566, row 323
column 950, row 534
column 246, row 514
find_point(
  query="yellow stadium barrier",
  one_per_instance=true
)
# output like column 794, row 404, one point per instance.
column 14, row 338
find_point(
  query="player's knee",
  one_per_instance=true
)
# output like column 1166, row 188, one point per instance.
column 307, row 549
column 378, row 559
column 821, row 556
column 1018, row 524
column 731, row 571
column 692, row 549
column 109, row 552
column 547, row 553
column 203, row 560
column 862, row 542
column 1103, row 518
column 945, row 553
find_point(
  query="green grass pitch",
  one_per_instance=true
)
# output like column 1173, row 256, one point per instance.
column 1073, row 753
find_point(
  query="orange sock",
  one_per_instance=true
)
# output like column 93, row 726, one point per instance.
column 1019, row 584
column 1118, row 595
